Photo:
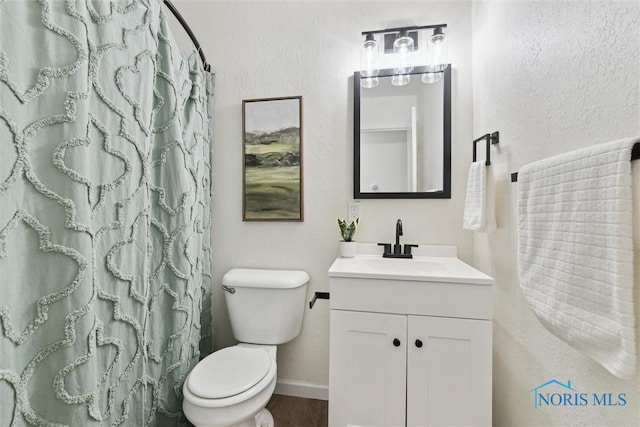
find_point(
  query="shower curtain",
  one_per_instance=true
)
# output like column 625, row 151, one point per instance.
column 104, row 214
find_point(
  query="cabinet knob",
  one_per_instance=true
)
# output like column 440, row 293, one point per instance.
column 396, row 342
column 419, row 343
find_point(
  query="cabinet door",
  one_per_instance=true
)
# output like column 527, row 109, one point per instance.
column 449, row 372
column 367, row 379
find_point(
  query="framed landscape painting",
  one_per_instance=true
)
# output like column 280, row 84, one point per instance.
column 272, row 179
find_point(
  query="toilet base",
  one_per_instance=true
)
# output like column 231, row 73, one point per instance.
column 264, row 419
column 261, row 419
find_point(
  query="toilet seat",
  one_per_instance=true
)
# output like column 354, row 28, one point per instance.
column 229, row 372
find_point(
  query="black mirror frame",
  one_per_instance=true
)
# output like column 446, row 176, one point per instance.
column 446, row 190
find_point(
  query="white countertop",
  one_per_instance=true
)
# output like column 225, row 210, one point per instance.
column 429, row 264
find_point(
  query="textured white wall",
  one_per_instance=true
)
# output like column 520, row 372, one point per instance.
column 551, row 76
column 311, row 48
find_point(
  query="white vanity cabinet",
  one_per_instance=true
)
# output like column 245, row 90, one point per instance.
column 409, row 347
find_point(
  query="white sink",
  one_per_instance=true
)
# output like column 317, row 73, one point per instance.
column 417, row 265
column 440, row 266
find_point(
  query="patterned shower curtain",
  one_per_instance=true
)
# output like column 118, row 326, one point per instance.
column 104, row 214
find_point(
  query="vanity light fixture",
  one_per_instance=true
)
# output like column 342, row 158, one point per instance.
column 403, row 48
column 369, row 66
column 437, row 56
column 402, row 53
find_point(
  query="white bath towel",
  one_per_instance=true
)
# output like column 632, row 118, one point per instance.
column 575, row 250
column 476, row 207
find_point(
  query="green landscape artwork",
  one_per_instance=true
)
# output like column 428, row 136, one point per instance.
column 272, row 134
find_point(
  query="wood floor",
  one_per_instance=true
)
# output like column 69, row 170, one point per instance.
column 289, row 411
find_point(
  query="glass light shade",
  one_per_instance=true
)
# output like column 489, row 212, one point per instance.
column 437, row 51
column 430, row 78
column 400, row 79
column 369, row 56
column 369, row 82
column 403, row 50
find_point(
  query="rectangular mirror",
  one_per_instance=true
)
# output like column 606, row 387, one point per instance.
column 402, row 137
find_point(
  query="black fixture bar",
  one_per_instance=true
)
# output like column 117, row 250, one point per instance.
column 317, row 296
column 397, row 30
column 490, row 139
column 635, row 155
column 192, row 36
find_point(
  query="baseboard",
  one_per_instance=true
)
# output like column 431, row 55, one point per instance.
column 302, row 389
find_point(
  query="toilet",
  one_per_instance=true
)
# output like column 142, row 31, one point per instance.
column 232, row 386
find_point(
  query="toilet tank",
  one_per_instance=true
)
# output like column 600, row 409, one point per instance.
column 265, row 306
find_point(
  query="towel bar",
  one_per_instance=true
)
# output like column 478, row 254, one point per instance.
column 493, row 138
column 635, row 155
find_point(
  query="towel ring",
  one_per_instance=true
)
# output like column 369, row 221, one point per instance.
column 490, row 138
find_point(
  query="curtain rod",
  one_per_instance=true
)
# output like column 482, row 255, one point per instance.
column 192, row 36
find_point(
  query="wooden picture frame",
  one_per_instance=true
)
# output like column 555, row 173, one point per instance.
column 272, row 183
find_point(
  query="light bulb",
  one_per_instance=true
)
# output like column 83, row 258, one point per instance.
column 438, row 36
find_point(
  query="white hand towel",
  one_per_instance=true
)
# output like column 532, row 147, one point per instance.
column 479, row 215
column 635, row 186
column 575, row 250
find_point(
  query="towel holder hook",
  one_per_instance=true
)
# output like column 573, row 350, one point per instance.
column 490, row 139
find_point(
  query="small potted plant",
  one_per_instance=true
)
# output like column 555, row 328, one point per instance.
column 348, row 246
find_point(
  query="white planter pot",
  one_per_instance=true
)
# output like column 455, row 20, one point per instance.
column 348, row 249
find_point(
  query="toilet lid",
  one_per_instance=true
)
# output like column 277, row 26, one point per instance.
column 228, row 372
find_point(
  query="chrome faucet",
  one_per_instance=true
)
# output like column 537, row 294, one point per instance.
column 397, row 248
